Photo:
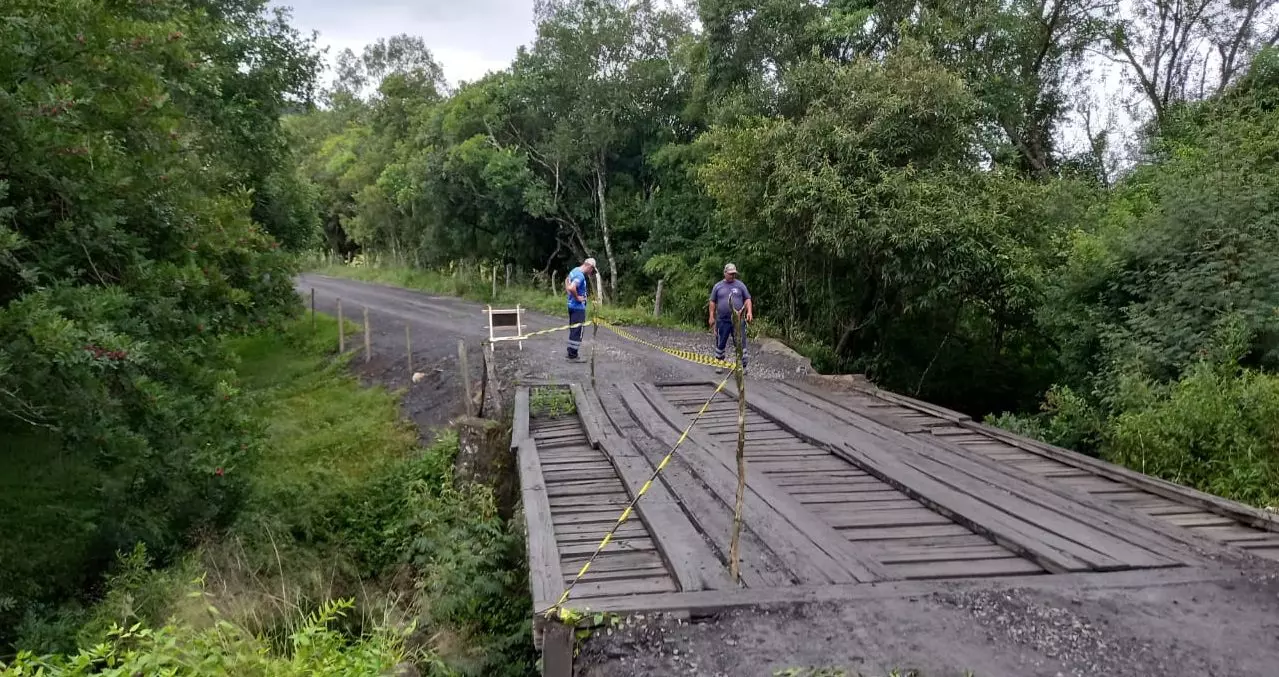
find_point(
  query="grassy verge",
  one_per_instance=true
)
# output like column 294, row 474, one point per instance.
column 352, row 551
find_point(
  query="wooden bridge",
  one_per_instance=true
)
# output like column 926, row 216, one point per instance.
column 851, row 491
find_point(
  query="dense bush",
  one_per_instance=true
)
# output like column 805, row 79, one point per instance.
column 128, row 248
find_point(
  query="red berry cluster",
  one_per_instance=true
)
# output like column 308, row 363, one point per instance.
column 100, row 352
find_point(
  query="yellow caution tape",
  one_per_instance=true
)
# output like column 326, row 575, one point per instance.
column 521, row 337
column 626, row 513
column 688, row 355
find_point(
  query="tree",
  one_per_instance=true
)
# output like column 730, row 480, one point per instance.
column 1170, row 47
column 130, row 247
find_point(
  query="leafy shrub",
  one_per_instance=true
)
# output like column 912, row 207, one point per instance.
column 1216, row 429
column 224, row 648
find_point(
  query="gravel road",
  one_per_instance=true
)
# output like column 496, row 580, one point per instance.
column 437, row 323
column 1226, row 626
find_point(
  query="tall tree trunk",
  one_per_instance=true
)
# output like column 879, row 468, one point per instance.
column 600, row 189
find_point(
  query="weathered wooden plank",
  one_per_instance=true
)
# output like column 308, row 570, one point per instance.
column 615, row 561
column 969, row 568
column 1245, row 514
column 917, row 405
column 605, row 517
column 709, row 602
column 1134, row 539
column 812, row 549
column 592, row 421
column 570, row 473
column 567, row 504
column 760, row 566
column 932, row 553
column 899, row 533
column 919, row 516
column 853, row 484
column 849, row 497
column 691, row 561
column 1200, row 520
column 632, row 586
column 618, row 545
column 876, row 456
column 1103, row 541
column 557, row 650
column 543, row 554
column 900, row 503
column 834, row 482
column 596, row 530
column 595, row 575
column 520, row 423
column 609, row 490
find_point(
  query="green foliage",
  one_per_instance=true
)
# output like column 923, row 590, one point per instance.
column 1215, row 429
column 224, row 648
column 134, row 236
column 551, row 401
column 340, row 506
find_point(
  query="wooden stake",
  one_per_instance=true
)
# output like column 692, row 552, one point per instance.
column 493, row 274
column 408, row 349
column 341, row 331
column 554, row 277
column 508, row 276
column 368, row 351
column 490, row 374
column 312, row 308
column 466, row 377
column 657, row 300
column 734, row 550
column 595, row 328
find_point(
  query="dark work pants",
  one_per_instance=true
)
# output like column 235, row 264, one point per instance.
column 723, row 340
column 575, row 334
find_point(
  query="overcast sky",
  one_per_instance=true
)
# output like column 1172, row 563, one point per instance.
column 468, row 37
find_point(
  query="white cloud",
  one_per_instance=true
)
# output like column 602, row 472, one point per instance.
column 468, row 38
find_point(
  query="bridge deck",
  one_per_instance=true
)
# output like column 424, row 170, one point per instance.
column 848, row 489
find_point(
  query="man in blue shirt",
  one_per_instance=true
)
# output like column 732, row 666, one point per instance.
column 577, row 286
column 728, row 297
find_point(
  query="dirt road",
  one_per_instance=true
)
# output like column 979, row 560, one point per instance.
column 437, row 323
column 1226, row 624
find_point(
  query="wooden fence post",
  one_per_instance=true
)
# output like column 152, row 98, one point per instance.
column 341, row 330
column 408, row 349
column 554, row 276
column 313, row 309
column 599, row 288
column 508, row 276
column 493, row 274
column 368, row 350
column 466, row 377
column 657, row 300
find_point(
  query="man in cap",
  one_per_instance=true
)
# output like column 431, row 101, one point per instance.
column 729, row 296
column 576, row 286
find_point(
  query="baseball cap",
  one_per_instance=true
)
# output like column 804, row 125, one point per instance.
column 589, row 262
column 730, row 268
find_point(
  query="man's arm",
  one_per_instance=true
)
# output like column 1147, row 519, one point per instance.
column 750, row 312
column 710, row 307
